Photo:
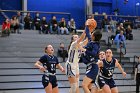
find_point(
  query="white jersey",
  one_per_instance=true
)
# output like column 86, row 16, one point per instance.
column 74, row 54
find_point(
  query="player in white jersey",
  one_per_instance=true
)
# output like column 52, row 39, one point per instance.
column 72, row 66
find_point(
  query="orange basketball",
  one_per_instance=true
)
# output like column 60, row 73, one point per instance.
column 92, row 24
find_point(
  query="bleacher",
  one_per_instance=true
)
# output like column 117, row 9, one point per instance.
column 19, row 52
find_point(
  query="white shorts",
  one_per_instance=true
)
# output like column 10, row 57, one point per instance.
column 71, row 69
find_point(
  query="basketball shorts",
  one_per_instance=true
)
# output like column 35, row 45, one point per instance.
column 102, row 81
column 71, row 69
column 92, row 72
column 49, row 79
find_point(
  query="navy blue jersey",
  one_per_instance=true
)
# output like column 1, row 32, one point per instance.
column 50, row 62
column 92, row 49
column 108, row 68
column 91, row 53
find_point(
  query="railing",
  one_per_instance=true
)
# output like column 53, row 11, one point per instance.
column 35, row 12
column 109, row 44
column 41, row 12
column 134, row 62
column 121, row 52
column 131, row 20
column 5, row 16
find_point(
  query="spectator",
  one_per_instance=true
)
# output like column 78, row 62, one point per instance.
column 15, row 24
column 44, row 25
column 112, row 24
column 72, row 26
column 28, row 21
column 63, row 26
column 118, row 30
column 105, row 23
column 54, row 26
column 121, row 28
column 20, row 19
column 120, row 40
column 6, row 27
column 62, row 52
column 129, row 34
column 37, row 23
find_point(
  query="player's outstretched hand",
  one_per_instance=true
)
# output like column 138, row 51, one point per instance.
column 63, row 70
column 124, row 74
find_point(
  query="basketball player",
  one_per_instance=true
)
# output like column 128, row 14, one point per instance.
column 72, row 66
column 107, row 66
column 90, row 56
column 48, row 64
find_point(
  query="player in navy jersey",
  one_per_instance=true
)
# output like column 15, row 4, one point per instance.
column 90, row 56
column 94, row 87
column 48, row 64
column 107, row 66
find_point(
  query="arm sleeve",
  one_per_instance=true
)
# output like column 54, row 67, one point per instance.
column 94, row 50
column 88, row 34
column 43, row 59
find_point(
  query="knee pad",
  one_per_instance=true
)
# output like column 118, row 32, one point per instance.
column 73, row 87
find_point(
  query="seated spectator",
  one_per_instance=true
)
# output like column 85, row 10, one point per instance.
column 62, row 52
column 72, row 26
column 6, row 27
column 118, row 30
column 15, row 24
column 63, row 26
column 126, row 23
column 120, row 40
column 37, row 23
column 28, row 22
column 54, row 26
column 129, row 34
column 105, row 23
column 20, row 19
column 44, row 25
column 121, row 28
column 112, row 24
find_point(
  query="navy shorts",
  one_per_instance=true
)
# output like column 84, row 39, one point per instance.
column 49, row 79
column 102, row 81
column 92, row 71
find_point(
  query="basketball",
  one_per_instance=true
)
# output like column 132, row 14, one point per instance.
column 92, row 24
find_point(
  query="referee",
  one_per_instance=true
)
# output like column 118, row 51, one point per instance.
column 137, row 75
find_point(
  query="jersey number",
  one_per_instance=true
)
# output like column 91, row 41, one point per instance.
column 52, row 67
column 110, row 72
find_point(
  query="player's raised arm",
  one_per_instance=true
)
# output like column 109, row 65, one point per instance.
column 83, row 34
column 81, row 37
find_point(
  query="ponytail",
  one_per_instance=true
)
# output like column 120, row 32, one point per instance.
column 70, row 43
